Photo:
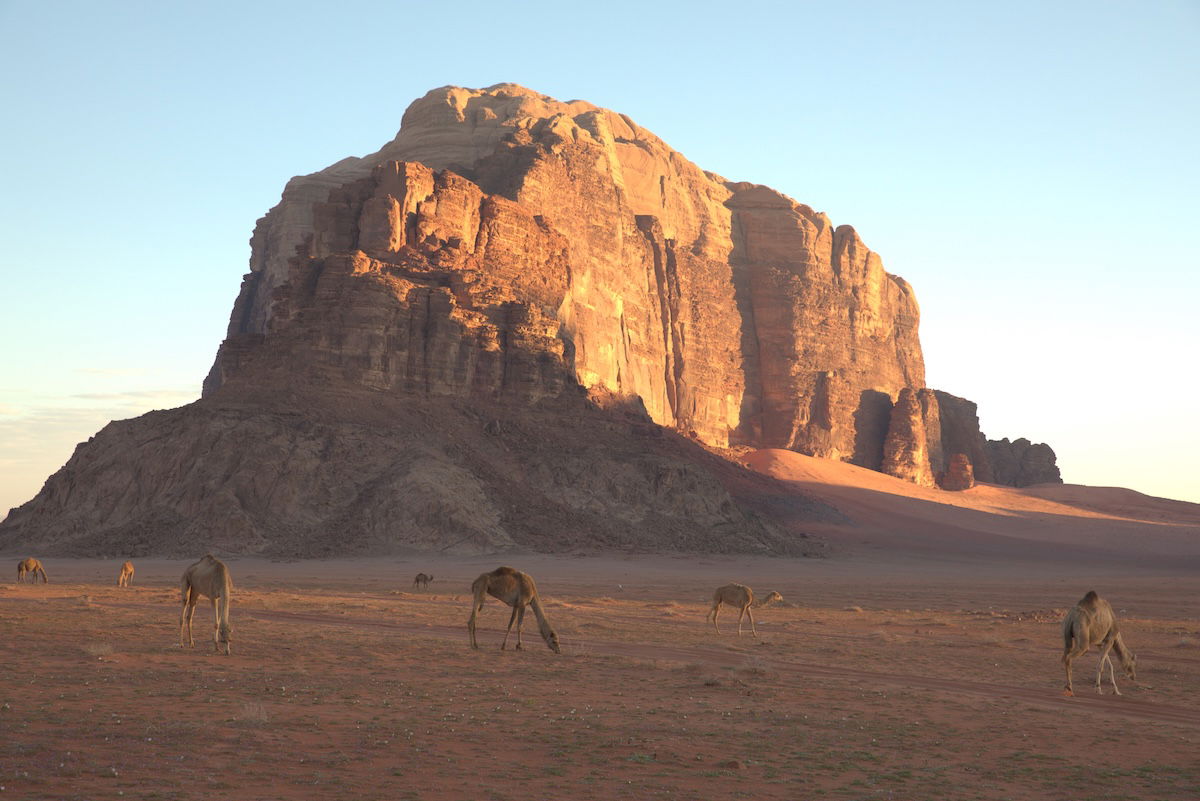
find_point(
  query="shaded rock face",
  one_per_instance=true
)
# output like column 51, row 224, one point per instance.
column 1021, row 463
column 906, row 449
column 959, row 474
column 324, row 474
column 926, row 424
column 508, row 246
column 960, row 433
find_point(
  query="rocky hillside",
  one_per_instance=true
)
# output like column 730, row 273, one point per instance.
column 509, row 257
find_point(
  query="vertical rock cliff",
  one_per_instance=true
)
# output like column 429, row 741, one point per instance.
column 506, row 243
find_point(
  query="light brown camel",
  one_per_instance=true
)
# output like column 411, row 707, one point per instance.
column 207, row 577
column 126, row 577
column 774, row 597
column 33, row 566
column 1092, row 622
column 518, row 591
column 422, row 580
column 742, row 597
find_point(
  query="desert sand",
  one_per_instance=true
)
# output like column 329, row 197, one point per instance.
column 919, row 660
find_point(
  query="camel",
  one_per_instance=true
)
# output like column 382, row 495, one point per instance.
column 742, row 597
column 774, row 597
column 1092, row 622
column 126, row 577
column 518, row 591
column 422, row 580
column 207, row 577
column 33, row 566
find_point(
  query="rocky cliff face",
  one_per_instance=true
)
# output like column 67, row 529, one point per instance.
column 509, row 258
column 316, row 473
column 505, row 242
column 1021, row 463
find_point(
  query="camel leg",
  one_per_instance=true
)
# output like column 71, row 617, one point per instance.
column 1069, row 656
column 185, row 620
column 1111, row 677
column 716, row 610
column 471, row 626
column 741, row 615
column 216, row 627
column 753, row 630
column 520, row 623
column 511, row 620
column 191, row 614
column 1106, row 656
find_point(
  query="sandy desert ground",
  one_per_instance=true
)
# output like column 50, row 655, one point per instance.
column 919, row 661
column 873, row 680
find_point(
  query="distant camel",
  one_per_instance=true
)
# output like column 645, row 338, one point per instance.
column 422, row 580
column 774, row 597
column 1092, row 622
column 742, row 597
column 126, row 577
column 518, row 591
column 207, row 577
column 33, row 566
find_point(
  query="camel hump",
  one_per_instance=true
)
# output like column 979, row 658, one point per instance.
column 505, row 570
column 1089, row 599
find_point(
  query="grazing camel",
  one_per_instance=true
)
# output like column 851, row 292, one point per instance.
column 518, row 591
column 126, row 577
column 742, row 597
column 1092, row 622
column 33, row 566
column 422, row 580
column 207, row 577
column 774, row 597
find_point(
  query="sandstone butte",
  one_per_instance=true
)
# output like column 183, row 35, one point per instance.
column 527, row 323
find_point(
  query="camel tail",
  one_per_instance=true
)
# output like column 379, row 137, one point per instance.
column 479, row 589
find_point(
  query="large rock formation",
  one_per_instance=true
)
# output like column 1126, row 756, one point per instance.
column 1022, row 463
column 504, row 241
column 510, row 258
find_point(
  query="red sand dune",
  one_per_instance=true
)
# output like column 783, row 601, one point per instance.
column 1046, row 521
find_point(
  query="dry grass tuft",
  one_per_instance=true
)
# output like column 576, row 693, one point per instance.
column 98, row 649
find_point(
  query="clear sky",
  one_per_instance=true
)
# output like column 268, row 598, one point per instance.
column 1031, row 168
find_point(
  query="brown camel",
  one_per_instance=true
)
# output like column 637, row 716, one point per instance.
column 32, row 566
column 126, row 577
column 742, row 597
column 207, row 577
column 518, row 591
column 1092, row 622
column 422, row 580
column 773, row 598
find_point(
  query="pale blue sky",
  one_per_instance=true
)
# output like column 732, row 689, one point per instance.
column 1029, row 167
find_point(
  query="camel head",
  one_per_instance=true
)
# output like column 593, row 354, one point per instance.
column 772, row 598
column 224, row 631
column 551, row 639
column 1130, row 666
